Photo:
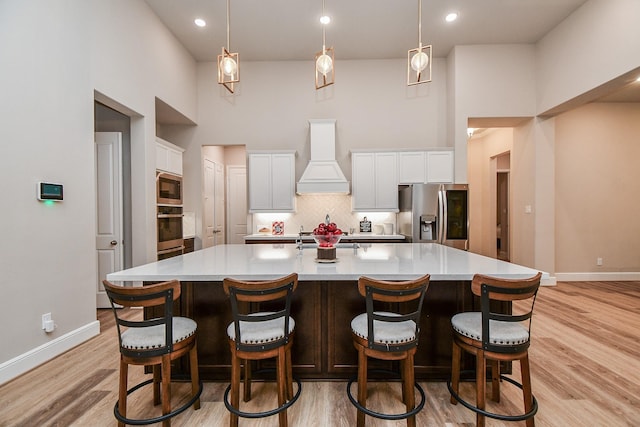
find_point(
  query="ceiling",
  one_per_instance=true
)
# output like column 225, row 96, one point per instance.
column 281, row 30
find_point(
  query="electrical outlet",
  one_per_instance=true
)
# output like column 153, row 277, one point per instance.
column 45, row 318
column 598, row 261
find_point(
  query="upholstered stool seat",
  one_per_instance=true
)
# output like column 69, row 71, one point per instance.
column 261, row 332
column 156, row 342
column 151, row 337
column 501, row 333
column 388, row 335
column 385, row 332
column 496, row 337
column 259, row 335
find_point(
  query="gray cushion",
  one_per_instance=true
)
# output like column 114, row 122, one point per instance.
column 153, row 336
column 503, row 333
column 261, row 332
column 385, row 332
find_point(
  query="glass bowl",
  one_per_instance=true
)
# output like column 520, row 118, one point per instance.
column 328, row 240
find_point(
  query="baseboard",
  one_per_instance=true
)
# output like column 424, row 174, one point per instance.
column 615, row 276
column 39, row 355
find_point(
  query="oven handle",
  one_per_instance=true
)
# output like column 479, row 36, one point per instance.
column 170, row 215
column 168, row 251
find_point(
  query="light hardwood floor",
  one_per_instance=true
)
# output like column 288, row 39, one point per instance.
column 585, row 363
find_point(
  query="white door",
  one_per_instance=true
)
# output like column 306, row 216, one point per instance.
column 213, row 204
column 236, row 204
column 109, row 209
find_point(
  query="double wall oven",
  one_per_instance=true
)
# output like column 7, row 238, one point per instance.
column 169, row 212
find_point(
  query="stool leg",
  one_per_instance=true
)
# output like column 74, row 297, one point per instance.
column 481, row 381
column 526, row 388
column 247, row 380
column 409, row 390
column 166, row 388
column 455, row 370
column 122, row 392
column 235, row 387
column 282, row 385
column 362, row 384
column 157, row 379
column 495, row 380
column 289, row 375
column 195, row 375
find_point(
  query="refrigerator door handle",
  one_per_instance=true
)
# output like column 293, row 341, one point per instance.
column 442, row 226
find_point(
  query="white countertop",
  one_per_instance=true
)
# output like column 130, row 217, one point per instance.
column 390, row 261
column 309, row 238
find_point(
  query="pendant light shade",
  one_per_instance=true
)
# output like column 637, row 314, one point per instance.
column 228, row 63
column 325, row 73
column 419, row 59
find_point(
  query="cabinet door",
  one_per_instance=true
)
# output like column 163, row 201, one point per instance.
column 412, row 167
column 162, row 158
column 174, row 161
column 363, row 181
column 386, row 178
column 440, row 166
column 283, row 181
column 259, row 182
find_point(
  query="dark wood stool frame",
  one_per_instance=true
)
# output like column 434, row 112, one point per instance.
column 248, row 292
column 159, row 294
column 496, row 289
column 389, row 292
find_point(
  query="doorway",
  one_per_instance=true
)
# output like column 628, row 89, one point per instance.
column 214, row 229
column 113, row 194
column 502, row 215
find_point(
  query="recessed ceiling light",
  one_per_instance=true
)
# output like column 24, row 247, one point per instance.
column 325, row 19
column 200, row 22
column 451, row 17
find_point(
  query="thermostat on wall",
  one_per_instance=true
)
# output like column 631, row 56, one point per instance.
column 49, row 191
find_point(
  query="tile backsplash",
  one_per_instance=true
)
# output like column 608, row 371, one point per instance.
column 311, row 210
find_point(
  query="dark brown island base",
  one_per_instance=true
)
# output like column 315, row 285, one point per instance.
column 326, row 300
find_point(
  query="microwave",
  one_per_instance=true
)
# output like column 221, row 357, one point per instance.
column 168, row 189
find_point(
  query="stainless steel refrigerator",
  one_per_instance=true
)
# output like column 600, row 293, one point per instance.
column 435, row 213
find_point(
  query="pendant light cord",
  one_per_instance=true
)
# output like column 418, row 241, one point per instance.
column 228, row 32
column 323, row 27
column 419, row 23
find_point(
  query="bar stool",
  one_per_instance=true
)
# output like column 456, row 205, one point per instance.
column 388, row 335
column 258, row 335
column 153, row 342
column 497, row 338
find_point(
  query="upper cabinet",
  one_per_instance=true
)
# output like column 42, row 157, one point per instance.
column 440, row 166
column 374, row 181
column 420, row 167
column 271, row 181
column 168, row 157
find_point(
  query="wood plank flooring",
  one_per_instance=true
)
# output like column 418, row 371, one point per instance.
column 585, row 363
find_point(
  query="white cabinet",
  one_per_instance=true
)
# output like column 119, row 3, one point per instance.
column 418, row 167
column 412, row 167
column 168, row 157
column 271, row 181
column 440, row 166
column 375, row 181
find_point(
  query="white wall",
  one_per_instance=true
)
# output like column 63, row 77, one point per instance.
column 54, row 55
column 595, row 44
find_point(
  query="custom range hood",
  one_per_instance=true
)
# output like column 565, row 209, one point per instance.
column 323, row 174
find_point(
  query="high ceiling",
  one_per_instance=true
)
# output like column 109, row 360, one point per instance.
column 267, row 30
column 278, row 30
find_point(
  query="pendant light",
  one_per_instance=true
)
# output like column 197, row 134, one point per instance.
column 228, row 63
column 325, row 73
column 419, row 59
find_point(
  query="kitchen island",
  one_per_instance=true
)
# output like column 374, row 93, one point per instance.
column 327, row 298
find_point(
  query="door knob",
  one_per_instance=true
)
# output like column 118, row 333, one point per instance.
column 113, row 243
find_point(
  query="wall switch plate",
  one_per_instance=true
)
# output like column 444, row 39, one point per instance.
column 45, row 318
column 598, row 261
